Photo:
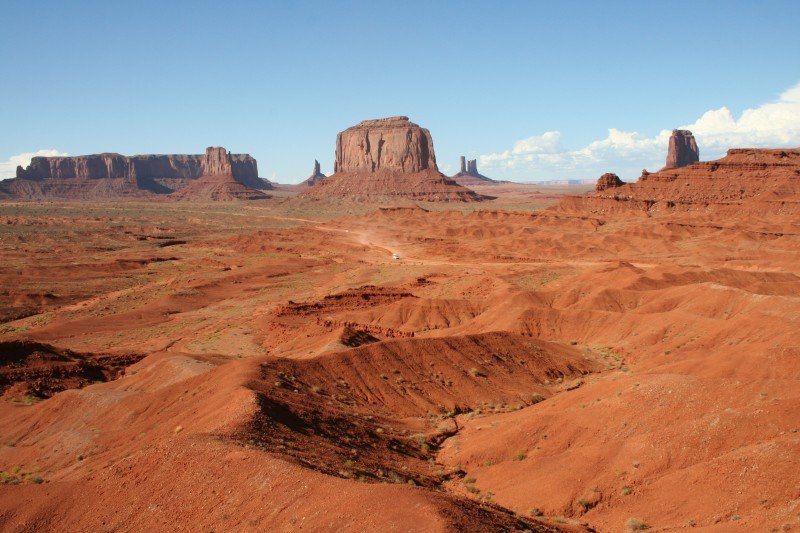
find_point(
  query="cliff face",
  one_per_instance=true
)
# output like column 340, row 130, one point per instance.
column 682, row 149
column 111, row 175
column 387, row 159
column 392, row 144
column 103, row 166
column 746, row 180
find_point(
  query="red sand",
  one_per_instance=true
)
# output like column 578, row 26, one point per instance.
column 561, row 369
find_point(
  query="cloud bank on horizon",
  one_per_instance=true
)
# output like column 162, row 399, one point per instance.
column 543, row 157
column 8, row 168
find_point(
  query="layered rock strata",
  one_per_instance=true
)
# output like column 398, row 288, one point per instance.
column 682, row 150
column 385, row 159
column 746, row 181
column 111, row 175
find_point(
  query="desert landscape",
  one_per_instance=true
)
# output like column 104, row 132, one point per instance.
column 188, row 341
column 410, row 267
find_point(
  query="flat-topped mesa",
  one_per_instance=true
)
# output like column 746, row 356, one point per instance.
column 111, row 175
column 96, row 166
column 393, row 144
column 215, row 161
column 682, row 149
column 389, row 159
column 608, row 180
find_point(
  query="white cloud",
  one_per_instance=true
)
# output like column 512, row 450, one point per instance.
column 547, row 143
column 8, row 168
column 773, row 124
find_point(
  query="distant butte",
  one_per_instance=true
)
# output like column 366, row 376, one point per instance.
column 389, row 158
column 315, row 177
column 469, row 176
column 682, row 149
column 393, row 144
column 110, row 175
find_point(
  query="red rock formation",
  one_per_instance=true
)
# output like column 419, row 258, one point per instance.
column 388, row 158
column 746, row 180
column 216, row 162
column 394, row 144
column 608, row 181
column 113, row 175
column 469, row 175
column 315, row 177
column 682, row 149
column 218, row 188
column 218, row 182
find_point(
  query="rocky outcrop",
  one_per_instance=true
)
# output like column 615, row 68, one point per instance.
column 216, row 162
column 110, row 175
column 682, row 149
column 469, row 175
column 386, row 159
column 608, row 181
column 746, row 181
column 392, row 144
column 315, row 177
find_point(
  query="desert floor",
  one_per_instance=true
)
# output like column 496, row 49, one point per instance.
column 516, row 368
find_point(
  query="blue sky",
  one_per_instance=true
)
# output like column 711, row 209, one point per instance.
column 278, row 80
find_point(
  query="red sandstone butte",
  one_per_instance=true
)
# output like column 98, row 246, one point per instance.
column 389, row 158
column 682, row 149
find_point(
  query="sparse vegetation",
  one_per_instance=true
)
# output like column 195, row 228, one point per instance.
column 635, row 524
column 536, row 398
column 17, row 476
column 585, row 504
